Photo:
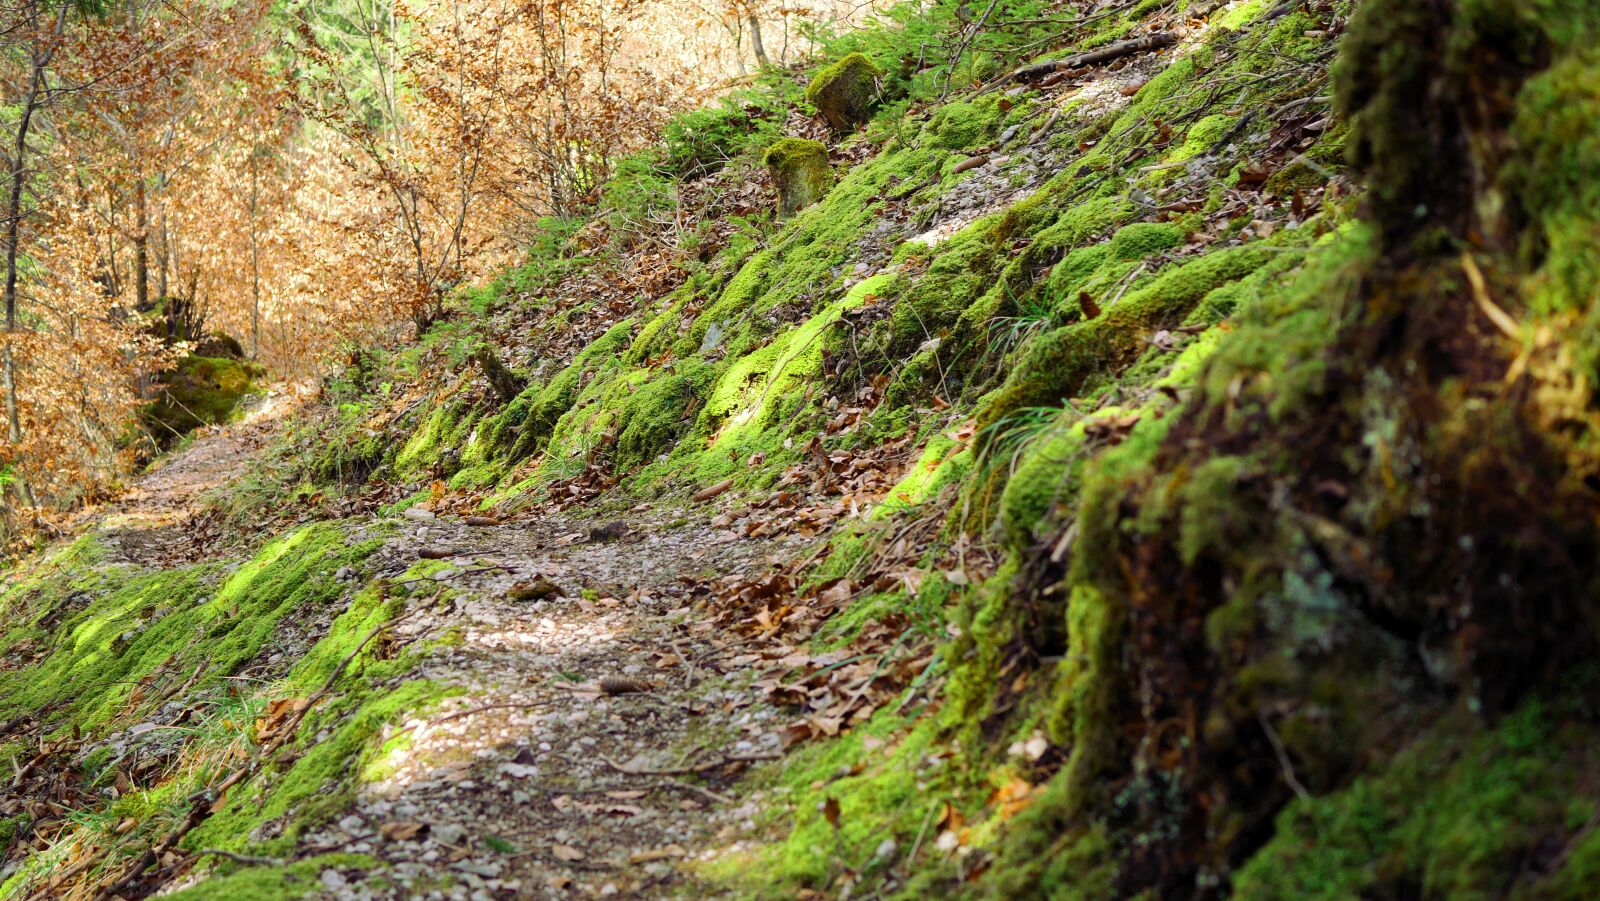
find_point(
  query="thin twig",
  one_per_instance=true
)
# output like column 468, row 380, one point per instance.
column 1283, row 758
column 460, row 714
column 241, row 858
column 700, row 790
column 921, row 833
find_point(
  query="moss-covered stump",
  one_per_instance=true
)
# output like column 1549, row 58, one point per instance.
column 201, row 391
column 800, row 169
column 845, row 92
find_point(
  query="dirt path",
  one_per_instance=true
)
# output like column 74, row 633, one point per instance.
column 592, row 731
column 152, row 523
column 534, row 782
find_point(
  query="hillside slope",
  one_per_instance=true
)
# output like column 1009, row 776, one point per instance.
column 1165, row 472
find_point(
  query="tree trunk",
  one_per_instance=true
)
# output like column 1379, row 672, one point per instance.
column 505, row 383
column 755, row 40
column 141, row 254
column 163, row 252
column 40, row 54
column 255, row 270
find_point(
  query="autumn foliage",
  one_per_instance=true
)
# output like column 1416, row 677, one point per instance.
column 299, row 180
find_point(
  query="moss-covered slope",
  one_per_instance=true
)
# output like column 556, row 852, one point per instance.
column 1249, row 505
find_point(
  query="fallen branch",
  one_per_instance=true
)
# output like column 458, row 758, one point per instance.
column 1237, row 129
column 1480, row 293
column 1106, row 54
column 706, row 494
column 693, row 770
column 1283, row 758
column 700, row 790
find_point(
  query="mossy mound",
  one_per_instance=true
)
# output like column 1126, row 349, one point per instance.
column 1141, row 239
column 845, row 92
column 202, row 391
column 800, row 169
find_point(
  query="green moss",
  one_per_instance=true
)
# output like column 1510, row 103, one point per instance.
column 1451, row 816
column 321, row 782
column 885, row 797
column 759, row 389
column 1141, row 239
column 656, row 338
column 201, row 391
column 736, row 302
column 943, row 462
column 443, row 431
column 525, row 426
column 1078, row 271
column 109, row 631
column 1554, row 181
column 293, row 880
column 962, row 271
column 960, row 125
column 1283, row 337
column 1086, row 220
column 1203, row 135
column 845, row 91
column 657, row 414
column 316, row 787
column 1045, row 477
column 1382, row 90
column 12, row 827
column 1058, row 364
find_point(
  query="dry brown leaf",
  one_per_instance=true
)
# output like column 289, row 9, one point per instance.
column 666, row 852
column 401, row 830
column 1012, row 797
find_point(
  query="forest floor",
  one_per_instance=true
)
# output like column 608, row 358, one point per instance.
column 593, row 725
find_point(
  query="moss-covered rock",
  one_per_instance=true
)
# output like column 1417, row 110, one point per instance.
column 800, row 169
column 115, row 627
column 201, row 391
column 656, row 415
column 846, row 91
column 1453, row 815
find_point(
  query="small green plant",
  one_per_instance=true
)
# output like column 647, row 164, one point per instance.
column 702, row 141
column 1034, row 314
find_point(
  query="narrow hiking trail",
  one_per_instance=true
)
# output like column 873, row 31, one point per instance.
column 586, row 749
column 591, row 727
column 154, row 520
